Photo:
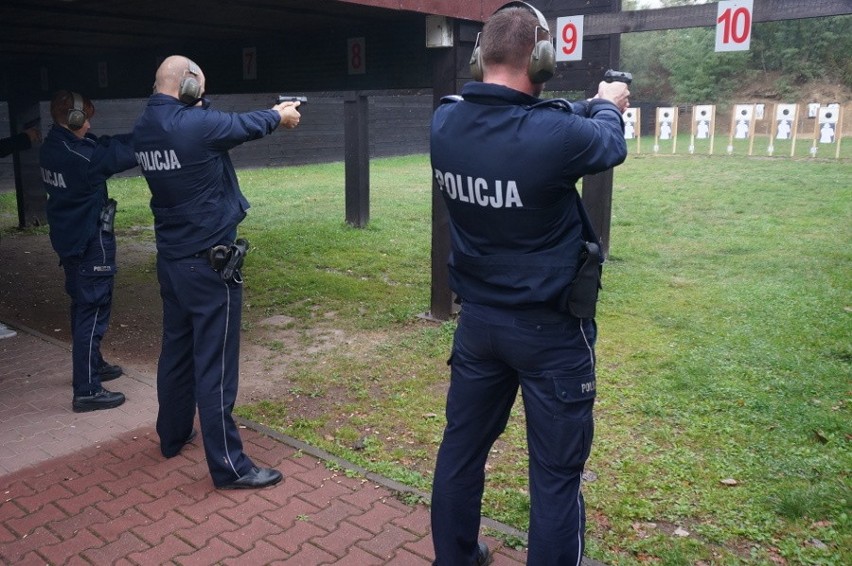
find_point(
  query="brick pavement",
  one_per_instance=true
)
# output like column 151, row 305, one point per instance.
column 92, row 488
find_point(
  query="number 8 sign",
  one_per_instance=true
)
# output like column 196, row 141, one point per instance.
column 569, row 40
column 733, row 25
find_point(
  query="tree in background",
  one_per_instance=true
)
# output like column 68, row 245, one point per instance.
column 804, row 50
column 681, row 65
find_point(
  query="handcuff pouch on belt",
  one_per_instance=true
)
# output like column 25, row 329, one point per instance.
column 228, row 260
column 107, row 218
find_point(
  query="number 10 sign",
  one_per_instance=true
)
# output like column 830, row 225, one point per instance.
column 733, row 25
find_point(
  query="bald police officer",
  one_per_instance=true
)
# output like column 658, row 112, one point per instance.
column 182, row 147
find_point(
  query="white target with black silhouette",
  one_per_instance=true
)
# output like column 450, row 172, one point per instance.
column 665, row 119
column 703, row 121
column 743, row 114
column 630, row 123
column 827, row 119
column 813, row 109
column 785, row 117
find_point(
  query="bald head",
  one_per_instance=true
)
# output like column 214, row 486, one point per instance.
column 172, row 71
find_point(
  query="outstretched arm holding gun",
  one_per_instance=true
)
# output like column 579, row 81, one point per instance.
column 287, row 108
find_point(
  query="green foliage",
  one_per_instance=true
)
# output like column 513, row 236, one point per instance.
column 681, row 65
column 642, row 55
column 695, row 75
column 804, row 50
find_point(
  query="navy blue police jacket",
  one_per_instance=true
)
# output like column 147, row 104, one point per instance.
column 506, row 164
column 183, row 153
column 74, row 172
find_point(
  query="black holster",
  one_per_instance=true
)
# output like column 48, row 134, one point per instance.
column 581, row 296
column 107, row 218
column 228, row 260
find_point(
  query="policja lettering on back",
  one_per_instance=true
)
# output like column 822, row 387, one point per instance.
column 475, row 190
column 156, row 160
column 53, row 178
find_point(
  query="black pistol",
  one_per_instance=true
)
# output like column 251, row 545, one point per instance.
column 618, row 76
column 289, row 98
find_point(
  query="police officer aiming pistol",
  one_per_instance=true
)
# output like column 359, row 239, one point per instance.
column 525, row 265
column 182, row 147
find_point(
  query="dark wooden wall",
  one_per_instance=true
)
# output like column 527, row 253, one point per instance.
column 398, row 122
column 396, row 57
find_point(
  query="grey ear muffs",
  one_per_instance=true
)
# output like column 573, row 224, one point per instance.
column 76, row 115
column 542, row 63
column 190, row 89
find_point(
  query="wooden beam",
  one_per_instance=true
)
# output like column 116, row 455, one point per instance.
column 357, row 159
column 704, row 15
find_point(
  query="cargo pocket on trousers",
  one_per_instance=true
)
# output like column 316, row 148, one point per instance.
column 573, row 420
column 95, row 290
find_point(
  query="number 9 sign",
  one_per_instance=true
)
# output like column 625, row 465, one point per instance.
column 569, row 39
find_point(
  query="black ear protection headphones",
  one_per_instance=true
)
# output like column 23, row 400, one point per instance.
column 190, row 89
column 542, row 59
column 76, row 115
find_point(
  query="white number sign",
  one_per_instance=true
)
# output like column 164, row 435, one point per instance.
column 733, row 25
column 569, row 40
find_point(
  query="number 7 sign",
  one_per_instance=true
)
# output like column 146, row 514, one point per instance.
column 733, row 25
column 569, row 40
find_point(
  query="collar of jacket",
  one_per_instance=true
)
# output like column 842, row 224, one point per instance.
column 159, row 99
column 494, row 94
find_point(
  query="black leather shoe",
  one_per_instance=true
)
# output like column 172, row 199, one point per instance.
column 108, row 372
column 103, row 399
column 483, row 557
column 257, row 477
column 192, row 434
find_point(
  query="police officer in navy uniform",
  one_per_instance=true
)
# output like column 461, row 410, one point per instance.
column 506, row 164
column 182, row 147
column 75, row 165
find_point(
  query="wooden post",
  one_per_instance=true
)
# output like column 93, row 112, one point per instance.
column 773, row 130
column 712, row 128
column 597, row 189
column 752, row 130
column 29, row 189
column 597, row 197
column 449, row 73
column 674, row 128
column 838, row 132
column 357, row 156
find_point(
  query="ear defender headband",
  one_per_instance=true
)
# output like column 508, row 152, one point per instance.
column 76, row 115
column 542, row 63
column 190, row 89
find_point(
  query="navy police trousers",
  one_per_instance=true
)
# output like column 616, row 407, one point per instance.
column 199, row 364
column 550, row 356
column 89, row 281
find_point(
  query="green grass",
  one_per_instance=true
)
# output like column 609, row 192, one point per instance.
column 724, row 350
